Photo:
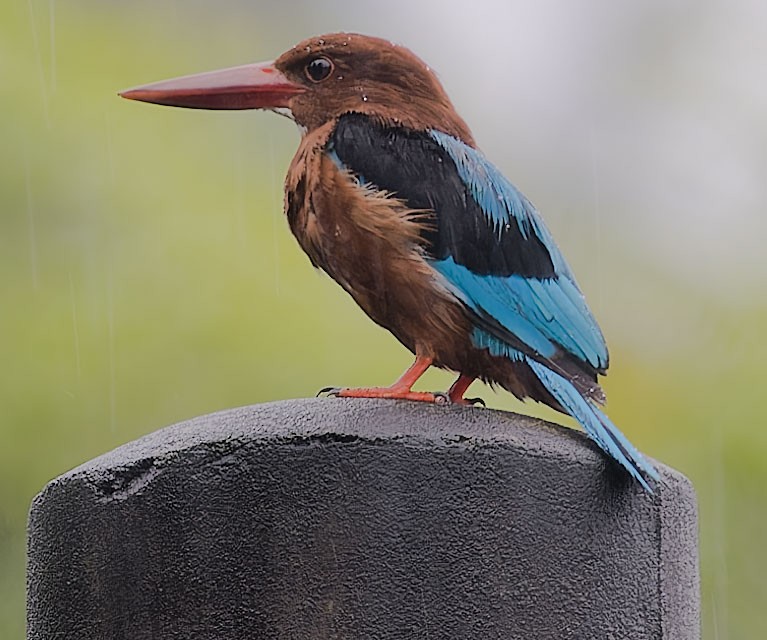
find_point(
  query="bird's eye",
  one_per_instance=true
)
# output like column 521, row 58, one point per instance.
column 318, row 69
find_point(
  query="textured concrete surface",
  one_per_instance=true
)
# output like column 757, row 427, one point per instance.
column 361, row 519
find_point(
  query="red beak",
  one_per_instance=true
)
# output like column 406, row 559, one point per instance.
column 250, row 86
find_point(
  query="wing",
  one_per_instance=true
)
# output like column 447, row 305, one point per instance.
column 489, row 243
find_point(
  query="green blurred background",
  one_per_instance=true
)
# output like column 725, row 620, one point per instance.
column 147, row 274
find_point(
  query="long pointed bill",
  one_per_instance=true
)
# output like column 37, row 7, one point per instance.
column 250, row 86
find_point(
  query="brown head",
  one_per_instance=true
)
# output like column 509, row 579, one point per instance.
column 320, row 79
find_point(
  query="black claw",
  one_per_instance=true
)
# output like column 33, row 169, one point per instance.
column 330, row 391
column 476, row 401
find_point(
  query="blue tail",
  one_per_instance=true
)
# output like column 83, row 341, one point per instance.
column 596, row 424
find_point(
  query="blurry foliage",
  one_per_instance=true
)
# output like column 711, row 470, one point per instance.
column 147, row 276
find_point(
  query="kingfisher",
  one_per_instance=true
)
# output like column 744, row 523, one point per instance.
column 389, row 195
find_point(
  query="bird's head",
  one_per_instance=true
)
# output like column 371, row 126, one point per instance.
column 319, row 80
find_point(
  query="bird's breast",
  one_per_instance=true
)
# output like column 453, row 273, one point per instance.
column 371, row 244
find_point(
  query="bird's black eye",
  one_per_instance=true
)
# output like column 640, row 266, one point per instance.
column 318, row 69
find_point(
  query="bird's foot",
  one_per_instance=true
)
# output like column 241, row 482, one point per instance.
column 392, row 393
column 455, row 393
column 389, row 393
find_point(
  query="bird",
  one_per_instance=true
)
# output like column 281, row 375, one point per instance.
column 389, row 195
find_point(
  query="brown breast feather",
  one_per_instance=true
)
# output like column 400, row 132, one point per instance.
column 370, row 243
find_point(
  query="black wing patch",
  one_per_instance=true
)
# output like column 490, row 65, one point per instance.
column 416, row 169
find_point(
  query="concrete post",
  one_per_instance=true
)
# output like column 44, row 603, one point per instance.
column 361, row 519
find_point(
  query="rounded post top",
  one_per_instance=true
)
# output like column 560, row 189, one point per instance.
column 359, row 518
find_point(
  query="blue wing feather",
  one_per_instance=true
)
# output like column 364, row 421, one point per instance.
column 541, row 313
column 500, row 200
column 546, row 310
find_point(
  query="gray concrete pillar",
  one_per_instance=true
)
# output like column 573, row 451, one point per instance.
column 361, row 519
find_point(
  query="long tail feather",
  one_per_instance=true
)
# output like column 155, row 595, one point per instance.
column 596, row 424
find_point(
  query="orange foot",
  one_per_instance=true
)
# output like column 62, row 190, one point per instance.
column 403, row 388
column 455, row 393
column 390, row 393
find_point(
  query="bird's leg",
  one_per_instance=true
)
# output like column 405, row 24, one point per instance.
column 401, row 389
column 455, row 393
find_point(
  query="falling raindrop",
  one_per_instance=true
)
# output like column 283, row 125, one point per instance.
column 598, row 221
column 276, row 215
column 75, row 331
column 110, row 153
column 32, row 233
column 52, row 43
column 111, row 350
column 38, row 56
